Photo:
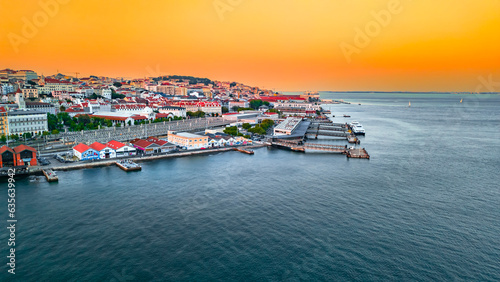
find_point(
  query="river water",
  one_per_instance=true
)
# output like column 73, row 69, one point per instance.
column 426, row 206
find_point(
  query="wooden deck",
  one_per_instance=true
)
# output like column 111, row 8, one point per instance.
column 359, row 153
column 50, row 175
column 128, row 165
column 250, row 152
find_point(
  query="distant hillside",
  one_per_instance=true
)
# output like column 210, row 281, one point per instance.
column 192, row 79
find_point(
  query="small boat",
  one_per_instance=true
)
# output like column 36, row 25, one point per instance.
column 409, row 104
column 33, row 178
column 461, row 100
column 333, row 115
column 347, row 116
column 359, row 104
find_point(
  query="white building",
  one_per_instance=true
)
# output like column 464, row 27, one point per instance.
column 105, row 152
column 6, row 88
column 105, row 92
column 33, row 122
column 121, row 149
column 176, row 111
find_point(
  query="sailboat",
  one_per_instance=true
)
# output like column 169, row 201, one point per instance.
column 461, row 100
column 409, row 104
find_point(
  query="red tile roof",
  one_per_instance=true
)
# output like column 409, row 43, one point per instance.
column 21, row 148
column 142, row 143
column 136, row 117
column 110, row 117
column 97, row 146
column 5, row 148
column 113, row 144
column 81, row 148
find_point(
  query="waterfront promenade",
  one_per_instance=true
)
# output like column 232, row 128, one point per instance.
column 140, row 131
column 138, row 159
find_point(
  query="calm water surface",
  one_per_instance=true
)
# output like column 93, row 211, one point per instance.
column 424, row 207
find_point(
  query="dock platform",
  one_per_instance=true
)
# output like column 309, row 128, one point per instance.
column 358, row 153
column 250, row 152
column 128, row 165
column 50, row 175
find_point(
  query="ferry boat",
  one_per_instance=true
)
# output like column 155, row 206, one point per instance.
column 357, row 128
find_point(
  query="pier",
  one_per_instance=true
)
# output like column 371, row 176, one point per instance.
column 302, row 147
column 249, row 152
column 296, row 141
column 50, row 175
column 358, row 153
column 128, row 165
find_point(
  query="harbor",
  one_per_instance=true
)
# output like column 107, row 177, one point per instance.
column 293, row 133
column 50, row 175
column 128, row 165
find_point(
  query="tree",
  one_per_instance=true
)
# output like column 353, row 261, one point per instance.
column 27, row 135
column 265, row 124
column 118, row 124
column 233, row 84
column 224, row 110
column 235, row 108
column 3, row 138
column 129, row 122
column 255, row 104
column 62, row 108
column 115, row 95
column 246, row 126
column 231, row 130
column 14, row 137
column 32, row 82
column 117, row 84
column 55, row 131
column 45, row 133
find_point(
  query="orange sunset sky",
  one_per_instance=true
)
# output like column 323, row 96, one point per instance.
column 288, row 45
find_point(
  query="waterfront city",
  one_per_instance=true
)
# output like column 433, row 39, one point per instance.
column 233, row 140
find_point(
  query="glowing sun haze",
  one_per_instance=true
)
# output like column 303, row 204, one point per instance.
column 288, row 45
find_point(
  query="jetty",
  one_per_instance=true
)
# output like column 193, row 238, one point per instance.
column 357, row 153
column 302, row 147
column 128, row 165
column 50, row 175
column 249, row 152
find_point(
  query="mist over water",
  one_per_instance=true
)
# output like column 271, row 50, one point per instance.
column 424, row 207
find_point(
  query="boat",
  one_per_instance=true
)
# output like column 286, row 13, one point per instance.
column 347, row 116
column 357, row 128
column 461, row 100
column 409, row 104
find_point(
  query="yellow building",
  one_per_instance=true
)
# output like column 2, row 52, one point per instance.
column 4, row 124
column 30, row 92
column 188, row 140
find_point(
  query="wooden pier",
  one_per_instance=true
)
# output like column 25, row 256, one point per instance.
column 128, row 165
column 250, row 152
column 50, row 175
column 298, row 147
column 358, row 153
column 325, row 147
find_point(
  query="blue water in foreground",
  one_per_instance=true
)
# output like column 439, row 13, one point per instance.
column 426, row 206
